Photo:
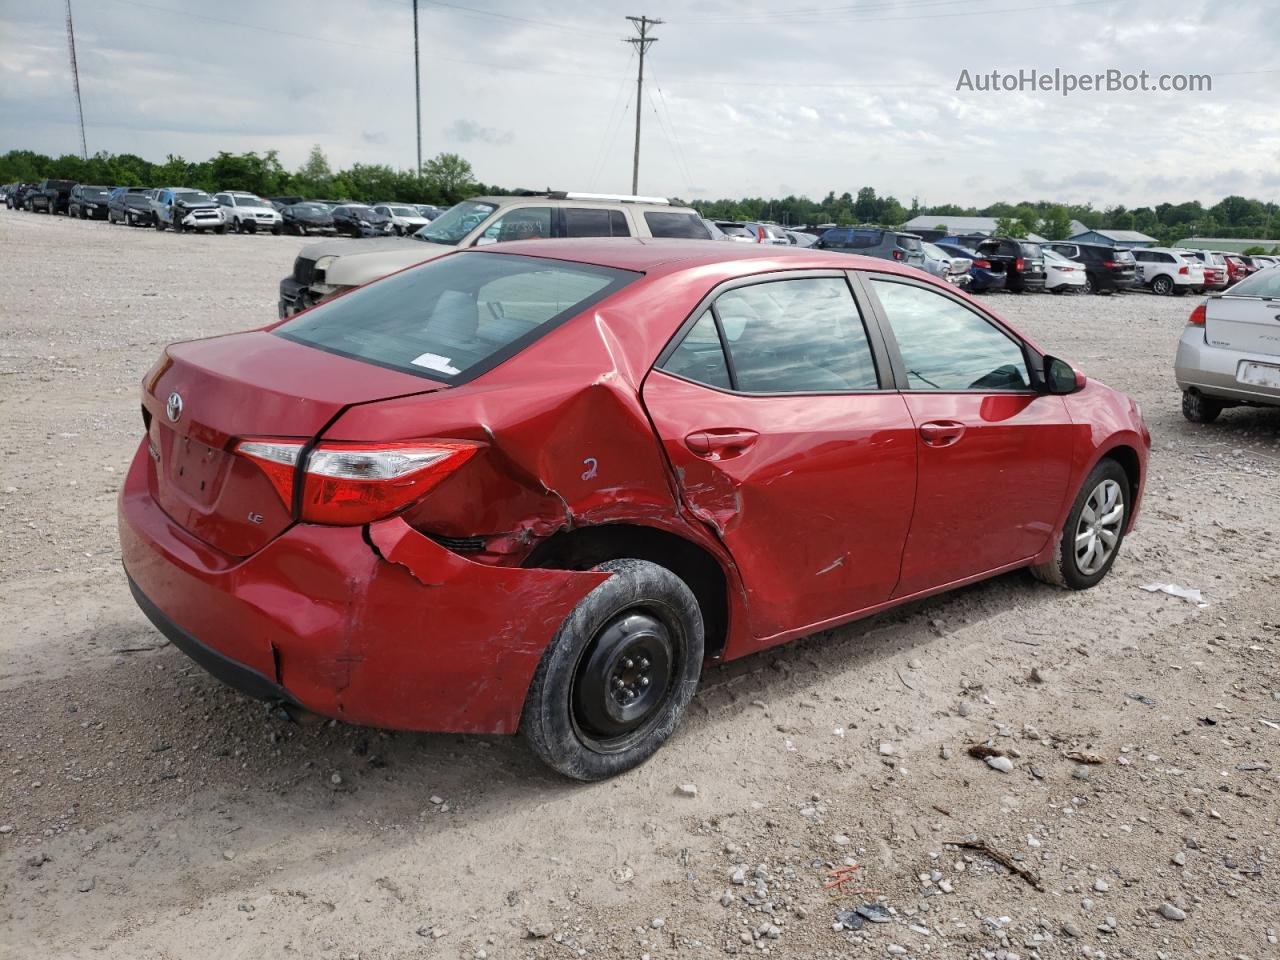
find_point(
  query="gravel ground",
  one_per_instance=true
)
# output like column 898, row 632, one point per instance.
column 148, row 812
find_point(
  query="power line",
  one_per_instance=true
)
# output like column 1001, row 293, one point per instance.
column 856, row 16
column 473, row 12
column 75, row 81
column 641, row 43
column 607, row 140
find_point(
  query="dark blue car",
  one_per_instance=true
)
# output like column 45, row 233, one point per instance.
column 984, row 275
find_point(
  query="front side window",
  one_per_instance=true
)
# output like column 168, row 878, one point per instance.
column 946, row 346
column 454, row 316
column 523, row 223
column 795, row 336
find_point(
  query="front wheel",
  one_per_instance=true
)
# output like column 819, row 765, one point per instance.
column 1090, row 540
column 276, row 230
column 221, row 229
column 614, row 682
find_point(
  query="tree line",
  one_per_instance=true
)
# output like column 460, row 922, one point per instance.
column 448, row 178
column 444, row 179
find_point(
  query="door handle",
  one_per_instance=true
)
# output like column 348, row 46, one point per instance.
column 720, row 443
column 941, row 433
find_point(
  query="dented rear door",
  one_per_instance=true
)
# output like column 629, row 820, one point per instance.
column 810, row 490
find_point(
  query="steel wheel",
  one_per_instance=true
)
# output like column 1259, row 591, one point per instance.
column 622, row 680
column 1098, row 531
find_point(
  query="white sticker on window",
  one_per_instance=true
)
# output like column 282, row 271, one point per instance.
column 433, row 361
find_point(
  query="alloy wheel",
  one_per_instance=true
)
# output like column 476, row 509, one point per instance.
column 1098, row 530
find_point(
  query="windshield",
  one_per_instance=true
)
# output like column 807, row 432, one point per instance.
column 1031, row 250
column 355, row 210
column 405, row 212
column 1053, row 256
column 94, row 192
column 250, row 202
column 456, row 315
column 455, row 223
column 192, row 196
column 310, row 210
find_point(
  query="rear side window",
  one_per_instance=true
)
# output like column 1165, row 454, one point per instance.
column 595, row 222
column 680, row 226
column 700, row 356
column 453, row 318
column 946, row 346
column 783, row 336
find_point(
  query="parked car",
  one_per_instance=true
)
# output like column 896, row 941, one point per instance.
column 1023, row 262
column 129, row 205
column 1237, row 268
column 736, row 230
column 305, row 218
column 358, row 220
column 429, row 210
column 874, row 242
column 50, row 196
column 405, row 218
column 246, row 212
column 985, row 276
column 1215, row 268
column 799, row 238
column 13, row 199
column 1229, row 354
column 715, row 232
column 322, row 270
column 405, row 509
column 88, row 202
column 944, row 266
column 5, row 189
column 1062, row 275
column 185, row 209
column 281, row 202
column 1107, row 269
column 1163, row 270
column 1258, row 261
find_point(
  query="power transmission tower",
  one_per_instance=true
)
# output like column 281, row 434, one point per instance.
column 641, row 43
column 417, row 86
column 75, row 81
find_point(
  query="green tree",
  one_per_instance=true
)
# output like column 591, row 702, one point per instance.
column 1056, row 224
column 1011, row 227
column 449, row 177
column 867, row 207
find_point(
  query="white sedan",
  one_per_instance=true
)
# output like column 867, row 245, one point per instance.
column 405, row 219
column 1062, row 275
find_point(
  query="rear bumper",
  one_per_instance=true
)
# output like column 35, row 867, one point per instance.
column 1212, row 370
column 377, row 625
column 1108, row 280
column 986, row 280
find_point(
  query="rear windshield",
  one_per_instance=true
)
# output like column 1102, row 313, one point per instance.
column 1264, row 283
column 456, row 317
column 908, row 243
column 687, row 226
column 1031, row 250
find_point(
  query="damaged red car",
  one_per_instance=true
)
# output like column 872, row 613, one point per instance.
column 538, row 486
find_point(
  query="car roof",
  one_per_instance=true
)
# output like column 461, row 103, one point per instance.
column 662, row 256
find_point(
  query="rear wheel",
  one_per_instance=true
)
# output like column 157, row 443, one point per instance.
column 1198, row 408
column 1090, row 540
column 276, row 231
column 614, row 682
column 1162, row 285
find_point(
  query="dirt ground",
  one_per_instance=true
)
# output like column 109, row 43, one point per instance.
column 148, row 812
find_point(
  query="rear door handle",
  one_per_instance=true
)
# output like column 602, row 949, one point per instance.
column 941, row 433
column 720, row 443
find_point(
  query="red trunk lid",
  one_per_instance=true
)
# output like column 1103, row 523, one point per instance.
column 251, row 384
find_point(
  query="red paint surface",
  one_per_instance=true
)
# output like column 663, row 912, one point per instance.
column 818, row 509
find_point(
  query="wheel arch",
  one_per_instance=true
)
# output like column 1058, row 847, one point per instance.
column 1130, row 463
column 586, row 547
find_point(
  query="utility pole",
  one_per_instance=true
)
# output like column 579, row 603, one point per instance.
column 75, row 81
column 641, row 43
column 417, row 87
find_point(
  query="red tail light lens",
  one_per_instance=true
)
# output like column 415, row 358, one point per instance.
column 348, row 484
column 1110, row 264
column 1019, row 265
column 1198, row 316
column 1184, row 271
column 982, row 264
column 759, row 234
column 899, row 255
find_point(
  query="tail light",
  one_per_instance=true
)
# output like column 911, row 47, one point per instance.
column 759, row 234
column 982, row 264
column 1184, row 271
column 1111, row 264
column 348, row 484
column 1197, row 317
column 899, row 255
column 1019, row 265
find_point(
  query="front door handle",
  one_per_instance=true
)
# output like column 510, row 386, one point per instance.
column 941, row 433
column 719, row 443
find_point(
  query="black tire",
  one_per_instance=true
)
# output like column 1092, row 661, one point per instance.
column 276, row 230
column 177, row 223
column 586, row 714
column 221, row 229
column 1162, row 286
column 1198, row 408
column 250, row 227
column 159, row 225
column 1064, row 570
column 1089, row 285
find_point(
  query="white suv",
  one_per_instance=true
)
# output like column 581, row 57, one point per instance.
column 405, row 218
column 249, row 213
column 1165, row 270
column 325, row 269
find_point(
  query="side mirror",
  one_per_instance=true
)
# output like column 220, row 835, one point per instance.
column 1060, row 378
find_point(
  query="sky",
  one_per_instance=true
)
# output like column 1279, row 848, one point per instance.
column 742, row 98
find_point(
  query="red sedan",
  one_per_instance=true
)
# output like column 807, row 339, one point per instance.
column 538, row 485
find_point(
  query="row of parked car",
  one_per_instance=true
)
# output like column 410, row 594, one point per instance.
column 186, row 209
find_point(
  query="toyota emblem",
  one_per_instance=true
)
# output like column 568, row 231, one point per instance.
column 173, row 407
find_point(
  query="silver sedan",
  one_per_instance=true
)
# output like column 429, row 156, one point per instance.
column 1229, row 354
